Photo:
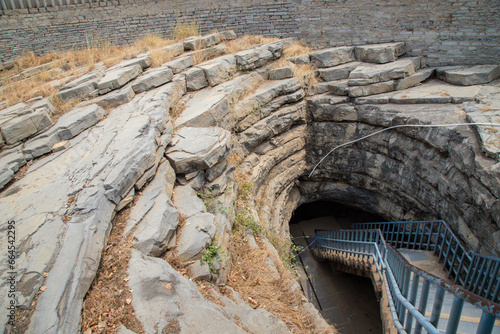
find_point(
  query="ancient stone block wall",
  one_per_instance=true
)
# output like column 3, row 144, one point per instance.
column 449, row 32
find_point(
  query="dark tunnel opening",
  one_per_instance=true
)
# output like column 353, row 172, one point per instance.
column 347, row 301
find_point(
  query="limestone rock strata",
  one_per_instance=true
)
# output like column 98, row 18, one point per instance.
column 180, row 139
column 430, row 173
column 93, row 176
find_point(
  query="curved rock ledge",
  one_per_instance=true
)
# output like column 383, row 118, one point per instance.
column 231, row 117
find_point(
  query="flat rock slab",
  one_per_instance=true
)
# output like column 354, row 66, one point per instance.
column 174, row 49
column 337, row 72
column 68, row 126
column 187, row 202
column 211, row 106
column 163, row 298
column 116, row 98
column 332, row 56
column 201, row 42
column 118, row 77
column 380, row 53
column 94, row 75
column 179, row 65
column 433, row 91
column 196, row 149
column 281, row 73
column 260, row 55
column 152, row 78
column 436, row 91
column 195, row 79
column 16, row 110
column 20, row 128
column 219, row 70
column 414, row 79
column 469, row 75
column 82, row 91
column 367, row 74
column 253, row 58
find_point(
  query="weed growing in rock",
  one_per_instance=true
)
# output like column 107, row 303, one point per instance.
column 212, row 204
column 213, row 253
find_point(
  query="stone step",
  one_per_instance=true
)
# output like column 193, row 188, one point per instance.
column 152, row 78
column 260, row 55
column 469, row 75
column 434, row 91
column 118, row 77
column 332, row 56
column 116, row 98
column 211, row 106
column 267, row 92
column 367, row 74
column 68, row 126
column 380, row 53
column 342, row 87
column 338, row 72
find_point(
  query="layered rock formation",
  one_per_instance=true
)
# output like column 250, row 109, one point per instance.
column 237, row 117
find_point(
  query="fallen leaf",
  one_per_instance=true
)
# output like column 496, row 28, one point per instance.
column 128, row 301
column 43, row 288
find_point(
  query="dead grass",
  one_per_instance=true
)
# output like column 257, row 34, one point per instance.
column 160, row 57
column 305, row 74
column 74, row 62
column 108, row 301
column 183, row 30
column 62, row 107
column 296, row 49
column 250, row 278
column 246, row 42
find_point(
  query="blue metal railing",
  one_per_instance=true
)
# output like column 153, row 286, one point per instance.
column 366, row 243
column 475, row 272
column 404, row 282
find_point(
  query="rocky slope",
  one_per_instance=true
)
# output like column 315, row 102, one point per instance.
column 159, row 139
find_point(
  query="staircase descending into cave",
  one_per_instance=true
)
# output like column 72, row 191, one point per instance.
column 430, row 280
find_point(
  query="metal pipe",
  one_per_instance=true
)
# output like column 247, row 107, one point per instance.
column 412, row 300
column 436, row 308
column 417, row 315
column 486, row 324
column 455, row 313
column 424, row 297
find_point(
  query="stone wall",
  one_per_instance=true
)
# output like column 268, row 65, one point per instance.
column 449, row 32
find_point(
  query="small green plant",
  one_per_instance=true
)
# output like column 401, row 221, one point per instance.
column 213, row 204
column 213, row 252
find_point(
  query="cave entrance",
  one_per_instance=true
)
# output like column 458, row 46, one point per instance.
column 347, row 301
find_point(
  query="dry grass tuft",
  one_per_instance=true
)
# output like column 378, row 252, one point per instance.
column 305, row 74
column 152, row 42
column 160, row 57
column 15, row 91
column 183, row 30
column 250, row 278
column 296, row 49
column 108, row 301
column 62, row 107
column 246, row 42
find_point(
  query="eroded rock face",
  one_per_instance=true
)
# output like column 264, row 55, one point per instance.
column 263, row 129
column 425, row 165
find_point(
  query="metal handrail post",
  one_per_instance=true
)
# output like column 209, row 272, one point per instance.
column 455, row 313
